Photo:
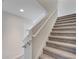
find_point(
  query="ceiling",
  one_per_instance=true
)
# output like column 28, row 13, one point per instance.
column 30, row 9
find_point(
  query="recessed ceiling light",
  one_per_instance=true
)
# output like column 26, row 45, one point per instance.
column 21, row 10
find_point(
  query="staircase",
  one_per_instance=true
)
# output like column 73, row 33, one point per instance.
column 61, row 43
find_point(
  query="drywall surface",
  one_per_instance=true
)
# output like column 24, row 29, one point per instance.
column 49, row 5
column 39, row 41
column 32, row 9
column 66, row 7
column 13, row 35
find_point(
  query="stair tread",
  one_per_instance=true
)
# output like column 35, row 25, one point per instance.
column 64, row 27
column 62, row 40
column 63, row 32
column 66, row 19
column 62, row 37
column 63, row 44
column 44, row 56
column 69, row 21
column 60, row 52
column 67, row 16
column 65, row 24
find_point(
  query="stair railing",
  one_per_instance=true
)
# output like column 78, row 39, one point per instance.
column 28, row 35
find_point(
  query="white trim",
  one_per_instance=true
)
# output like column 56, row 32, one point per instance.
column 44, row 24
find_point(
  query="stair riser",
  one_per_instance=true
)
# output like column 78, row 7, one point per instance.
column 67, row 16
column 58, row 26
column 64, row 29
column 65, row 48
column 63, row 40
column 71, row 24
column 67, row 19
column 56, row 56
column 61, row 28
column 64, row 34
column 67, row 24
column 71, row 21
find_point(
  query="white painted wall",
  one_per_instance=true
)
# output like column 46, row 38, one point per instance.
column 13, row 26
column 13, row 35
column 32, row 9
column 49, row 5
column 66, row 7
column 40, row 39
column 38, row 42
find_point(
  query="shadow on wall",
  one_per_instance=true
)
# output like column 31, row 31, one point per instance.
column 66, row 7
column 12, row 36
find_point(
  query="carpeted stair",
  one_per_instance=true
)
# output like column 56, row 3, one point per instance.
column 61, row 43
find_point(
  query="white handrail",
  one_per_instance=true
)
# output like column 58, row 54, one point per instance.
column 30, row 28
column 34, row 35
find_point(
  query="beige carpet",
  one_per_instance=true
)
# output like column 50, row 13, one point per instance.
column 62, row 40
